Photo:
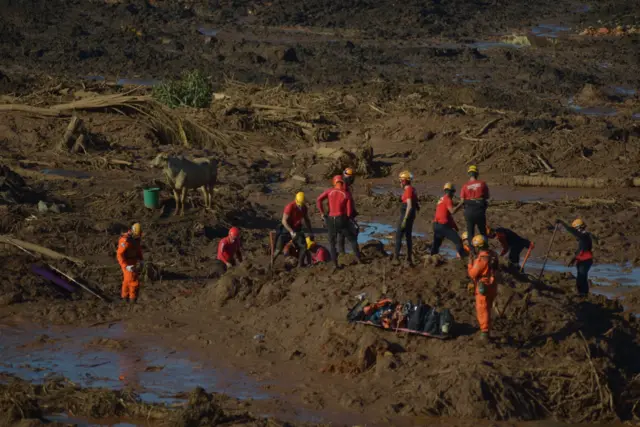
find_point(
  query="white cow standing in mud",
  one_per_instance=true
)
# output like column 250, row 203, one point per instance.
column 183, row 174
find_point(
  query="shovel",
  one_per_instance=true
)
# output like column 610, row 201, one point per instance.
column 526, row 257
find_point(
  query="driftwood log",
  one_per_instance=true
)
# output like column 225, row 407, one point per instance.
column 21, row 244
column 551, row 181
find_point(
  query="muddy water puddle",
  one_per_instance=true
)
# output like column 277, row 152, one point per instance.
column 110, row 358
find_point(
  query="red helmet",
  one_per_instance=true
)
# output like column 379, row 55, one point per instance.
column 234, row 232
column 338, row 179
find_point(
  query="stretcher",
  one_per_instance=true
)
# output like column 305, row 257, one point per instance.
column 408, row 331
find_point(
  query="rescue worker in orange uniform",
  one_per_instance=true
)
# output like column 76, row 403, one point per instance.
column 319, row 254
column 129, row 255
column 340, row 210
column 583, row 258
column 349, row 178
column 512, row 243
column 290, row 229
column 474, row 196
column 482, row 271
column 229, row 249
column 444, row 226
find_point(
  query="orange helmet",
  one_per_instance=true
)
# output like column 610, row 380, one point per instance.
column 234, row 232
column 337, row 180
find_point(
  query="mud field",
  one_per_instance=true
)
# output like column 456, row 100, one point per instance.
column 535, row 93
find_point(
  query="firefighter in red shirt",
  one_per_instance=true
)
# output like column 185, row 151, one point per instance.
column 444, row 226
column 129, row 255
column 475, row 198
column 349, row 179
column 337, row 220
column 408, row 211
column 318, row 254
column 290, row 229
column 229, row 249
column 583, row 258
column 512, row 243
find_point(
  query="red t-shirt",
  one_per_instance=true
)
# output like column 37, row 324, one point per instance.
column 474, row 189
column 227, row 251
column 296, row 215
column 340, row 202
column 443, row 216
column 410, row 193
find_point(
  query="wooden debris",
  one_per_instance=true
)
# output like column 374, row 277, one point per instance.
column 488, row 126
column 544, row 163
column 551, row 181
column 70, row 134
column 26, row 246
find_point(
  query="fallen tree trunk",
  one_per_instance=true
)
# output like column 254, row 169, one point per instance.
column 551, row 181
column 21, row 244
column 93, row 103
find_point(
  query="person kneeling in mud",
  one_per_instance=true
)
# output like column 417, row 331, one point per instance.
column 318, row 254
column 290, row 229
column 512, row 243
column 482, row 271
column 229, row 253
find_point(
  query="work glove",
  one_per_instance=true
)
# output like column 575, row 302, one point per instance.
column 130, row 268
column 403, row 225
column 482, row 289
column 471, row 288
column 293, row 234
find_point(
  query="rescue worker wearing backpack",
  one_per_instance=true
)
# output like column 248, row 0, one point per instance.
column 408, row 212
column 512, row 243
column 474, row 196
column 337, row 219
column 129, row 255
column 229, row 252
column 349, row 178
column 444, row 226
column 318, row 254
column 583, row 258
column 482, row 271
column 290, row 229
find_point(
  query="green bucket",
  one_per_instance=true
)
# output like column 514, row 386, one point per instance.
column 152, row 197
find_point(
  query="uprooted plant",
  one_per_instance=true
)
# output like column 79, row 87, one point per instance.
column 191, row 90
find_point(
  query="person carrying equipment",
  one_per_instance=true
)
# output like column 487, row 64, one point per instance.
column 408, row 211
column 512, row 243
column 583, row 258
column 349, row 178
column 319, row 254
column 474, row 197
column 444, row 226
column 340, row 210
column 129, row 255
column 290, row 228
column 482, row 271
column 229, row 249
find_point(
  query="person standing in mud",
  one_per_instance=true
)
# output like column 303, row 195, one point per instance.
column 512, row 243
column 229, row 252
column 349, row 179
column 583, row 258
column 295, row 213
column 340, row 210
column 444, row 226
column 408, row 211
column 129, row 255
column 482, row 271
column 475, row 199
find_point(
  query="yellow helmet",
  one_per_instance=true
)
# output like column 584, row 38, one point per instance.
column 310, row 242
column 478, row 241
column 465, row 235
column 578, row 223
column 348, row 172
column 449, row 186
column 472, row 168
column 406, row 176
column 300, row 198
column 136, row 230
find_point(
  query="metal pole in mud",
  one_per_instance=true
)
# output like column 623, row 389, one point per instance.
column 555, row 229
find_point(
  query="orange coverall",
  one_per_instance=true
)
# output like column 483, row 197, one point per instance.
column 482, row 271
column 129, row 253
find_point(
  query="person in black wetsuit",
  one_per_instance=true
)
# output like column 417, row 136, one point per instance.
column 584, row 255
column 512, row 243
